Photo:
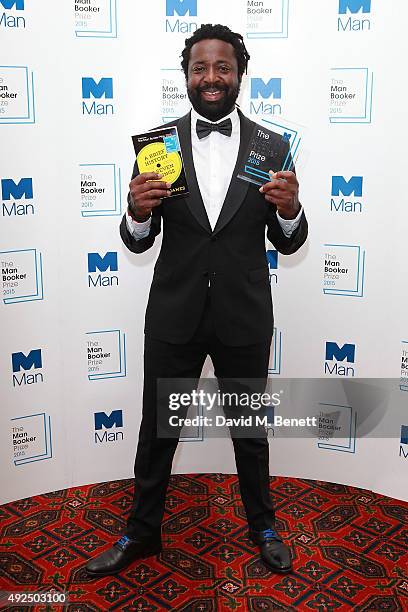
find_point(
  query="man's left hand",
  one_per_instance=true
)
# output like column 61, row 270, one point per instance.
column 283, row 190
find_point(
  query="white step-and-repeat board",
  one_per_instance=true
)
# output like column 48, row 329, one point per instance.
column 77, row 79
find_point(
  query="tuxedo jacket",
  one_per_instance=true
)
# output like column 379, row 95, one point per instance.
column 231, row 259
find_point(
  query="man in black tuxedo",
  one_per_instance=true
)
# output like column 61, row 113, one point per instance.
column 210, row 293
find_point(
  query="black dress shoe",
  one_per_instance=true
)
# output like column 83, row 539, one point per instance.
column 273, row 551
column 122, row 553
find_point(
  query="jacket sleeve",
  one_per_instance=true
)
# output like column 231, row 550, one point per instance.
column 139, row 246
column 282, row 243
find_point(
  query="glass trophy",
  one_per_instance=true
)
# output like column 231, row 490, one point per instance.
column 269, row 150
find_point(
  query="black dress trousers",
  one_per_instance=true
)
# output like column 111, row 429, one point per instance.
column 154, row 455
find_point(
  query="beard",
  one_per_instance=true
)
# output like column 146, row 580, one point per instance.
column 213, row 110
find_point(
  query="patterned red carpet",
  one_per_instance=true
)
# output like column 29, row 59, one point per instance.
column 350, row 549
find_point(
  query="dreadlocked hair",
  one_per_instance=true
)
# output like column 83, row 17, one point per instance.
column 220, row 32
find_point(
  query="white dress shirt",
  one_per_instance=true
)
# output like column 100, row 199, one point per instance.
column 214, row 160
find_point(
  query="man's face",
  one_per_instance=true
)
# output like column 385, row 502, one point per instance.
column 212, row 80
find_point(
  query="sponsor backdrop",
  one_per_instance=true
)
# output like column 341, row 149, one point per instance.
column 76, row 81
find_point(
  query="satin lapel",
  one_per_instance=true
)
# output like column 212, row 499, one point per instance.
column 238, row 188
column 193, row 200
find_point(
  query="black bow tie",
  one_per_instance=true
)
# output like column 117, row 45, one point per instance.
column 204, row 128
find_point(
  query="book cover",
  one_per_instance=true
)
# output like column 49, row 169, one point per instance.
column 159, row 151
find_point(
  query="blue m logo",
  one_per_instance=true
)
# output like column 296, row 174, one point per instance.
column 353, row 186
column 107, row 262
column 10, row 189
column 103, row 88
column 334, row 351
column 265, row 90
column 9, row 4
column 115, row 418
column 272, row 257
column 181, row 7
column 354, row 6
column 26, row 362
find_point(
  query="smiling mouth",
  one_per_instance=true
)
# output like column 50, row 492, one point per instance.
column 212, row 95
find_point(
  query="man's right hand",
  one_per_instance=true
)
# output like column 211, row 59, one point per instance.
column 146, row 193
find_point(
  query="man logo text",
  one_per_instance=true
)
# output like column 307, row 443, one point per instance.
column 353, row 24
column 102, row 88
column 265, row 90
column 183, row 8
column 337, row 353
column 20, row 361
column 351, row 187
column 10, row 191
column 12, row 21
column 105, row 263
column 107, row 421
